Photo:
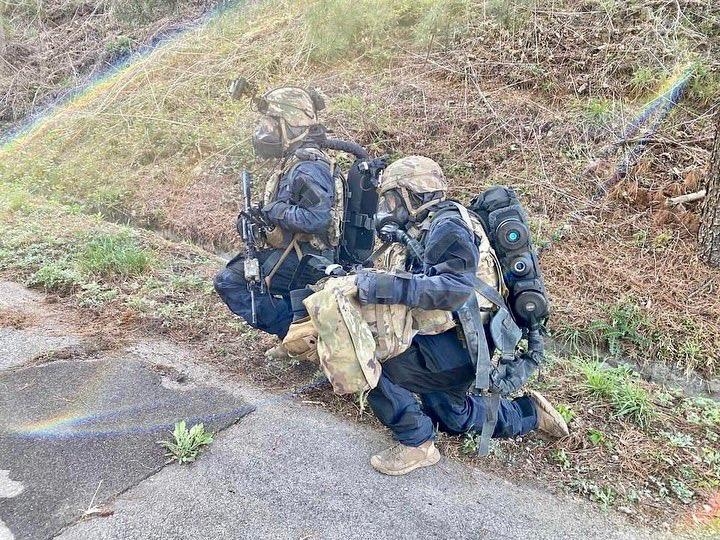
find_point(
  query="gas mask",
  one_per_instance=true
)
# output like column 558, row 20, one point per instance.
column 267, row 139
column 391, row 210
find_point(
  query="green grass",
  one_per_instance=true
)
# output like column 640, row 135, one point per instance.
column 645, row 80
column 598, row 111
column 374, row 27
column 186, row 443
column 118, row 254
column 618, row 387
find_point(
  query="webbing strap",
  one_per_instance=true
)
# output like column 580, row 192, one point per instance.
column 492, row 406
column 482, row 359
column 298, row 252
column 490, row 293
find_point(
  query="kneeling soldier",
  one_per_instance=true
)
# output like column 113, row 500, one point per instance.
column 442, row 262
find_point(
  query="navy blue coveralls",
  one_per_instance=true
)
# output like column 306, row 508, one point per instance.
column 303, row 204
column 436, row 368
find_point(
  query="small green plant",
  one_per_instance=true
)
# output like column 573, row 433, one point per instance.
column 679, row 440
column 114, row 254
column 566, row 412
column 470, row 443
column 187, row 443
column 561, row 458
column 120, row 46
column 645, row 80
column 604, row 495
column 596, row 436
column 55, row 277
column 616, row 386
column 627, row 324
column 705, row 85
column 598, row 111
column 681, row 490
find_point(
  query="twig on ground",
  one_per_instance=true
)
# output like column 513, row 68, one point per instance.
column 688, row 197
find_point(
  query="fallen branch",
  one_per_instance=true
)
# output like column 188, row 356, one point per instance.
column 688, row 197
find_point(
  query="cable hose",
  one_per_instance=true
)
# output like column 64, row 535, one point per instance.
column 345, row 146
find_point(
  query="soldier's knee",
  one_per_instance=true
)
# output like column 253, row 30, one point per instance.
column 226, row 281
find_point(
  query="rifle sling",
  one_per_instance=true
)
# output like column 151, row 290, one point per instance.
column 293, row 244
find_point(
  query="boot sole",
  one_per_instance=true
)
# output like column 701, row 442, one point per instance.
column 429, row 461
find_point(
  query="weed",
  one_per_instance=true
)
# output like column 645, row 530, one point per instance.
column 560, row 456
column 186, row 443
column 616, row 386
column 681, row 490
column 596, row 436
column 470, row 443
column 598, row 111
column 604, row 495
column 95, row 295
column 702, row 411
column 566, row 412
column 512, row 15
column 705, row 85
column 627, row 324
column 679, row 440
column 114, row 254
column 662, row 241
column 640, row 238
column 120, row 46
column 576, row 339
column 711, row 456
column 645, row 80
column 55, row 277
column 337, row 28
column 633, row 402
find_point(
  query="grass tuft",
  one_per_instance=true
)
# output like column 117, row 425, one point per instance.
column 616, row 385
column 114, row 254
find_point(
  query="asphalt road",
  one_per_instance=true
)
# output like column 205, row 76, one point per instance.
column 81, row 432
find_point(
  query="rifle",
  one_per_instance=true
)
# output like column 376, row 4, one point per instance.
column 251, row 263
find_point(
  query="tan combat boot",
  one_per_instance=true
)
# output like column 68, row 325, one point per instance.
column 550, row 421
column 401, row 459
column 278, row 352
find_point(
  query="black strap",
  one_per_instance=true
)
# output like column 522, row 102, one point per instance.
column 492, row 406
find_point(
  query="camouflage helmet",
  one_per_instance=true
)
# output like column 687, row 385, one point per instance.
column 416, row 175
column 294, row 105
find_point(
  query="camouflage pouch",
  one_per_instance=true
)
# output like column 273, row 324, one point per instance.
column 345, row 343
column 392, row 327
column 301, row 340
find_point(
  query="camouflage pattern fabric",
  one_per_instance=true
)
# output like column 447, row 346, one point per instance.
column 294, row 105
column 424, row 321
column 345, row 344
column 301, row 340
column 418, row 174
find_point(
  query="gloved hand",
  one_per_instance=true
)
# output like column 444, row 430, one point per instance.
column 256, row 215
column 510, row 376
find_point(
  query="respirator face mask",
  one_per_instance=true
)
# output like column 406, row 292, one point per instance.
column 267, row 138
column 391, row 210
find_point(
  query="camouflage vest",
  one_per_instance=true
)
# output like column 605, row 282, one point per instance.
column 353, row 340
column 331, row 238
